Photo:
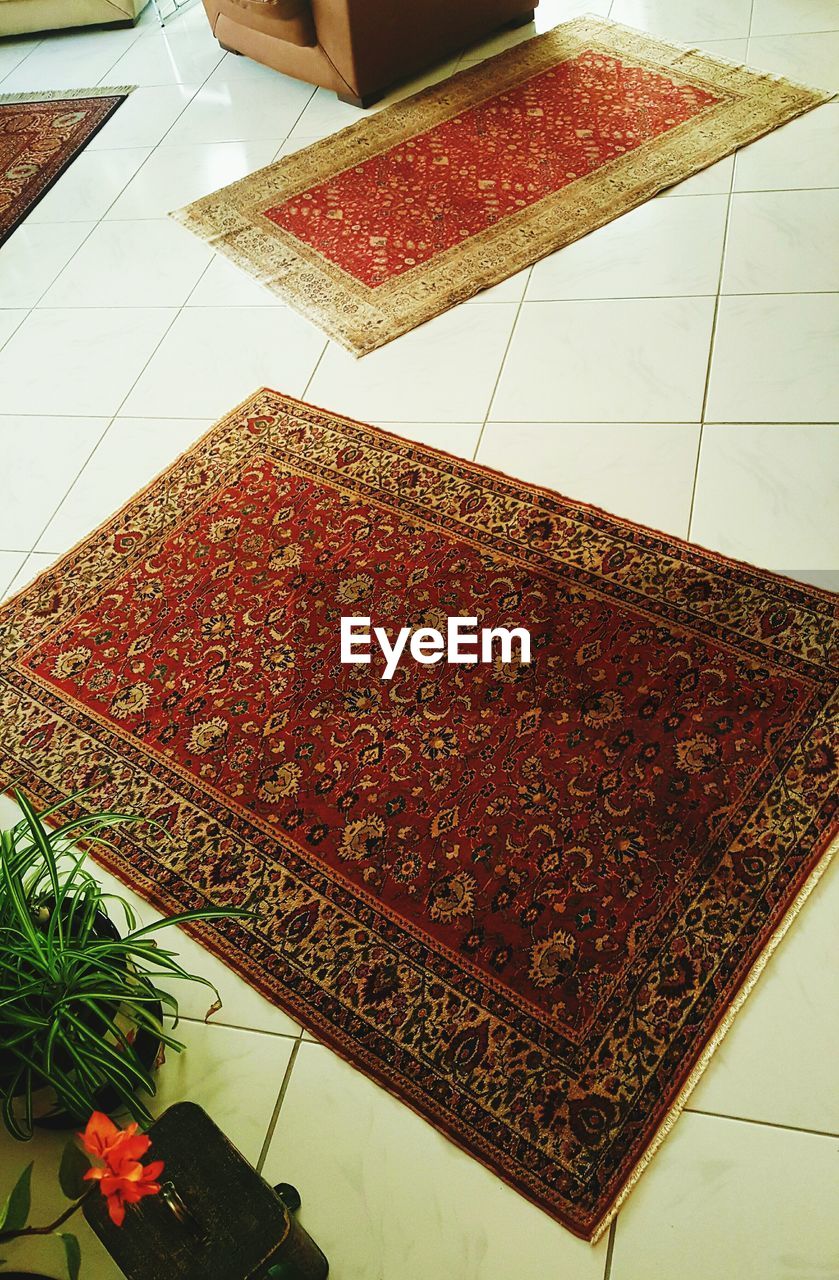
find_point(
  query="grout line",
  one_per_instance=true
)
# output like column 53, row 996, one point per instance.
column 497, row 382
column 55, row 510
column 613, row 1230
column 473, row 302
column 764, row 1124
column 711, row 346
column 314, row 371
column 216, row 1021
column 272, row 1123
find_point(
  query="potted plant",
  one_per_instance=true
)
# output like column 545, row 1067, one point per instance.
column 81, row 1006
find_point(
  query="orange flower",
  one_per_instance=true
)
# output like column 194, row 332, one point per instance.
column 121, row 1177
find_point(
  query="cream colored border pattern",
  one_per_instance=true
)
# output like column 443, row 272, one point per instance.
column 362, row 319
column 715, row 1041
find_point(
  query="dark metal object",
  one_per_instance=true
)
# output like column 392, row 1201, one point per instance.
column 215, row 1217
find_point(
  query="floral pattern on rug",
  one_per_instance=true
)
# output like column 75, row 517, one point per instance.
column 40, row 135
column 426, row 195
column 526, row 898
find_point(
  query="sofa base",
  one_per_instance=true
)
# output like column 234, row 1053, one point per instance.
column 362, row 102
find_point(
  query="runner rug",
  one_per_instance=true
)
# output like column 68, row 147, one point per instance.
column 40, row 135
column 394, row 220
column 527, row 898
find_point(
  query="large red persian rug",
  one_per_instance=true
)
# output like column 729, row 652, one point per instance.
column 390, row 222
column 40, row 135
column 527, row 898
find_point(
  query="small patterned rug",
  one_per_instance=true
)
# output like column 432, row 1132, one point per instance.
column 392, row 221
column 527, row 898
column 40, row 135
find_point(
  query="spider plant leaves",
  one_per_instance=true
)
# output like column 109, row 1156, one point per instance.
column 15, row 1211
column 71, row 1170
column 72, row 1254
column 74, row 995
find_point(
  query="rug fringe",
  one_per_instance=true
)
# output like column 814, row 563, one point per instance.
column 716, row 1040
column 60, row 95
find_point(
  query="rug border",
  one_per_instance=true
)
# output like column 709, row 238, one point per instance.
column 158, row 898
column 119, row 93
column 362, row 319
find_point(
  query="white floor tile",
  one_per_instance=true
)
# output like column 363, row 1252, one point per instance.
column 144, row 263
column 774, row 360
column 41, row 457
column 811, row 59
column 220, row 1068
column 325, row 114
column 662, row 247
column 225, row 285
column 34, row 255
column 783, row 242
column 10, row 320
column 207, row 364
column 729, row 1200
column 640, row 471
column 94, row 358
column 12, row 53
column 171, row 56
column 174, row 176
column 235, row 68
column 640, row 360
column 33, row 564
column 386, row 1196
column 686, row 21
column 89, row 187
column 236, row 111
column 780, row 17
column 786, row 1031
column 804, row 153
column 144, row 118
column 767, row 494
column 71, row 60
column 131, row 454
column 441, row 372
column 11, row 562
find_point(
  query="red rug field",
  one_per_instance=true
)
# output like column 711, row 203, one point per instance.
column 527, row 898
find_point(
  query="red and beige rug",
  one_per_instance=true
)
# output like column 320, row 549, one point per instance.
column 394, row 220
column 526, row 898
column 40, row 135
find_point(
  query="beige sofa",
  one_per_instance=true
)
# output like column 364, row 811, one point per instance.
column 20, row 17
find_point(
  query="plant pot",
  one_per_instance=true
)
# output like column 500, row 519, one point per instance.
column 46, row 1114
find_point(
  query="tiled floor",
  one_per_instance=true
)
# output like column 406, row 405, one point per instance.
column 678, row 367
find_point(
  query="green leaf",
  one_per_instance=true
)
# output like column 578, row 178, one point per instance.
column 16, row 1209
column 74, row 1165
column 73, row 1254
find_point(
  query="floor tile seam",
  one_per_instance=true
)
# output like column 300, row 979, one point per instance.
column 60, row 503
column 502, row 363
column 272, row 1123
column 777, row 1125
column 712, row 341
